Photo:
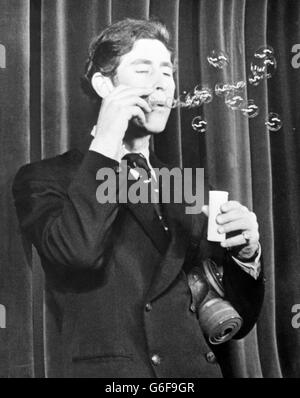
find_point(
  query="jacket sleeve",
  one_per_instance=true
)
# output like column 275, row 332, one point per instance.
column 244, row 292
column 66, row 224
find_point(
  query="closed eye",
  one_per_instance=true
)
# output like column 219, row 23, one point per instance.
column 167, row 71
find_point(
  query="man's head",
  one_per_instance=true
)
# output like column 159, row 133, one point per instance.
column 134, row 53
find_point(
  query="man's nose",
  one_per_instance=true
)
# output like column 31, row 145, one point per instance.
column 159, row 81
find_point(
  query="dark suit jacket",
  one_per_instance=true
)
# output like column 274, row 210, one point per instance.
column 117, row 279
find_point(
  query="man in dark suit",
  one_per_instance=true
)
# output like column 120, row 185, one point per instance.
column 117, row 272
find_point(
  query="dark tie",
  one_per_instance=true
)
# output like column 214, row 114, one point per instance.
column 138, row 160
column 135, row 160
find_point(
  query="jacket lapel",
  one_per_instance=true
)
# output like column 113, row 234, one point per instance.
column 146, row 215
column 184, row 228
column 149, row 221
column 181, row 226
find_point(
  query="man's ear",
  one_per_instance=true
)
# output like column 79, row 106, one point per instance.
column 102, row 84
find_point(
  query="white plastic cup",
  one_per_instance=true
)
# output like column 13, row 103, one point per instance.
column 216, row 200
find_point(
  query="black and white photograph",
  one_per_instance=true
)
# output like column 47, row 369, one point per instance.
column 149, row 191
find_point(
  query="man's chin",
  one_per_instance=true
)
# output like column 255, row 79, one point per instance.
column 155, row 131
column 155, row 127
column 150, row 127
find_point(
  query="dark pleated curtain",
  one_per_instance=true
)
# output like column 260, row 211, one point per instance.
column 16, row 341
column 43, row 113
column 284, row 98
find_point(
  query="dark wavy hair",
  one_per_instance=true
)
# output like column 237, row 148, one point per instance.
column 116, row 40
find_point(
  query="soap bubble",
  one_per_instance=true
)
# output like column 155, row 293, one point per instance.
column 159, row 100
column 203, row 94
column 196, row 102
column 183, row 101
column 273, row 122
column 254, row 80
column 264, row 52
column 218, row 59
column 199, row 124
column 221, row 89
column 263, row 65
column 239, row 85
column 172, row 103
column 180, row 102
column 234, row 101
column 250, row 109
column 188, row 100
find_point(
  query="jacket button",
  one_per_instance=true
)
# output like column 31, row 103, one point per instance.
column 156, row 359
column 148, row 307
column 210, row 357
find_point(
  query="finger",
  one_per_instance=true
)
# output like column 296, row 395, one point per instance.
column 232, row 205
column 124, row 91
column 240, row 239
column 240, row 224
column 237, row 240
column 231, row 215
column 136, row 112
column 117, row 91
column 138, row 101
column 127, row 98
column 204, row 210
column 142, row 90
column 251, row 236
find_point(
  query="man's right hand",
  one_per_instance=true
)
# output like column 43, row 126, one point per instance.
column 117, row 109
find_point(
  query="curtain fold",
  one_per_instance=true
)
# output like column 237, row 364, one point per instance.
column 283, row 33
column 130, row 9
column 222, row 27
column 262, row 182
column 168, row 12
column 16, row 342
column 43, row 113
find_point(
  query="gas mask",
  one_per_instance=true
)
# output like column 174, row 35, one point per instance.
column 218, row 319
